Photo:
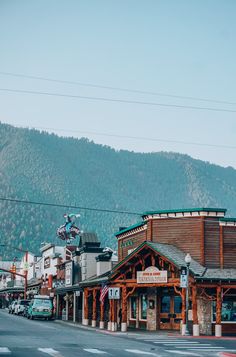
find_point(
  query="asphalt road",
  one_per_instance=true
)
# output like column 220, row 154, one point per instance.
column 25, row 338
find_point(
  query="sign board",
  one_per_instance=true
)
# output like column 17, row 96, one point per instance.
column 183, row 277
column 68, row 273
column 183, row 281
column 151, row 275
column 114, row 293
column 77, row 293
column 46, row 262
column 26, row 266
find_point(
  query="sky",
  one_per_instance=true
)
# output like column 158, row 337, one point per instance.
column 127, row 73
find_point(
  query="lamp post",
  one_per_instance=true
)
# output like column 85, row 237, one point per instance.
column 188, row 260
column 25, row 275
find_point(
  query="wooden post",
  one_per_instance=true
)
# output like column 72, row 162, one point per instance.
column 101, row 323
column 110, row 315
column 183, row 295
column 124, row 310
column 194, row 309
column 86, row 311
column 94, row 317
column 218, row 327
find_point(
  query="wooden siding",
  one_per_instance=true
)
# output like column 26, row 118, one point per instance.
column 185, row 234
column 229, row 247
column 136, row 239
column 212, row 243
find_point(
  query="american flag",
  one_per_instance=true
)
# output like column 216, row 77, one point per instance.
column 104, row 291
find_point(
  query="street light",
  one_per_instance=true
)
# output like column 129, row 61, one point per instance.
column 188, row 260
column 25, row 275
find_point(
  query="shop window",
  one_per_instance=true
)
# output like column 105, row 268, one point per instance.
column 165, row 304
column 133, row 307
column 143, row 307
column 228, row 313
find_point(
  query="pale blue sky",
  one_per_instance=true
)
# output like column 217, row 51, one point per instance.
column 180, row 47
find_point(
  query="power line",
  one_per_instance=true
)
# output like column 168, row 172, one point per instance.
column 136, row 137
column 137, row 91
column 67, row 206
column 183, row 219
column 112, row 100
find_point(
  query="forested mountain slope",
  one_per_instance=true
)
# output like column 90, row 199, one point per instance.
column 44, row 167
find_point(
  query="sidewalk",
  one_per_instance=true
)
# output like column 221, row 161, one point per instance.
column 141, row 333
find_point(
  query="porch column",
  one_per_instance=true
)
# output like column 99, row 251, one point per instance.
column 85, row 307
column 114, row 316
column 101, row 323
column 94, row 318
column 218, row 327
column 110, row 314
column 74, row 307
column 67, row 307
column 124, row 310
column 183, row 295
column 194, row 309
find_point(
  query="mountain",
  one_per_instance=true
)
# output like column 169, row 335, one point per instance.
column 42, row 167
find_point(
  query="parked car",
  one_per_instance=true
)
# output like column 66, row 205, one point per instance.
column 19, row 307
column 11, row 307
column 41, row 306
column 25, row 311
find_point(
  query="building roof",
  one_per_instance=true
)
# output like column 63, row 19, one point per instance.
column 139, row 224
column 173, row 254
column 183, row 210
column 219, row 274
column 88, row 237
column 93, row 280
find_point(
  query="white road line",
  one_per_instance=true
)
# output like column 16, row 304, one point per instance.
column 93, row 350
column 50, row 351
column 4, row 350
column 139, row 352
column 182, row 343
column 183, row 353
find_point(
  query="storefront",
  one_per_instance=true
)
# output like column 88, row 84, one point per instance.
column 145, row 286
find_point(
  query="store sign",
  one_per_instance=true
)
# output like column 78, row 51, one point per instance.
column 69, row 273
column 151, row 275
column 114, row 293
column 46, row 262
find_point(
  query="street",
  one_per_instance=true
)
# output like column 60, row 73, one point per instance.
column 22, row 337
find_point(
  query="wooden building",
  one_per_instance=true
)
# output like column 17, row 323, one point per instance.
column 147, row 276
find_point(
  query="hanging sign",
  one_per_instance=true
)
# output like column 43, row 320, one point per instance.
column 183, row 277
column 151, row 275
column 114, row 293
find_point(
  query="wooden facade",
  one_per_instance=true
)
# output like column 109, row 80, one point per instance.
column 156, row 301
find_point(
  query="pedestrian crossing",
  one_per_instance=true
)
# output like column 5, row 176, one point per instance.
column 171, row 347
column 182, row 346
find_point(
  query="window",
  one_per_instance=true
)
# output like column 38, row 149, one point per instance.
column 228, row 312
column 143, row 307
column 133, row 307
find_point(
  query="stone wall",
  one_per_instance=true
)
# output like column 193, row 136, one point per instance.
column 152, row 313
column 204, row 311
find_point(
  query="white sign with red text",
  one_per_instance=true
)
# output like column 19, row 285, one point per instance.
column 151, row 275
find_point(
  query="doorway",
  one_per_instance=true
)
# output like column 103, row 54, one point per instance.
column 170, row 311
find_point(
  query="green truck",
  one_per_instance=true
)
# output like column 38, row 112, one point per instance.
column 40, row 307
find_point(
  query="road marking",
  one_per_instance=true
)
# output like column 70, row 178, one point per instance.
column 4, row 350
column 93, row 350
column 183, row 353
column 183, row 343
column 139, row 352
column 50, row 351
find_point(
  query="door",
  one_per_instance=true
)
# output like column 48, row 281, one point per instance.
column 170, row 312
